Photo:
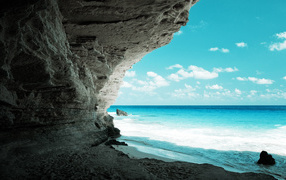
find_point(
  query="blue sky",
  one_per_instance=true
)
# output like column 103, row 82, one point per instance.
column 230, row 53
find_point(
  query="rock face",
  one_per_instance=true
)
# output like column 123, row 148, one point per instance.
column 266, row 159
column 62, row 62
column 121, row 113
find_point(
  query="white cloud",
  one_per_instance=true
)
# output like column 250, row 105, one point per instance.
column 185, row 74
column 158, row 81
column 214, row 49
column 229, row 69
column 197, row 73
column 237, row 91
column 142, row 82
column 130, row 73
column 252, row 93
column 187, row 92
column 178, row 33
column 252, row 79
column 224, row 50
column 182, row 94
column 153, row 82
column 151, row 74
column 284, row 77
column 175, row 66
column 260, row 81
column 218, row 70
column 278, row 46
column 216, row 86
column 222, row 94
column 175, row 77
column 241, row 79
column 273, row 90
column 275, row 93
column 264, row 81
column 281, row 35
column 179, row 75
column 241, row 44
column 189, row 88
column 126, row 85
column 200, row 73
column 256, row 80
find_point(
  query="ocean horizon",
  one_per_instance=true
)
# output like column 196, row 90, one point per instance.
column 228, row 136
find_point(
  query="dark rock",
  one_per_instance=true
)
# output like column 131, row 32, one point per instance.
column 121, row 113
column 115, row 142
column 266, row 159
column 113, row 132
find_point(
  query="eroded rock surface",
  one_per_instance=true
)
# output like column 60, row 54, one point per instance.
column 62, row 62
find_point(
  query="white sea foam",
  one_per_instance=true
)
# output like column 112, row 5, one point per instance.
column 112, row 113
column 217, row 138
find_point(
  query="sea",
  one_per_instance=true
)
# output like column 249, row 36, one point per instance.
column 231, row 137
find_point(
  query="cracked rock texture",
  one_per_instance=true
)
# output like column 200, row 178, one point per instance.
column 62, row 62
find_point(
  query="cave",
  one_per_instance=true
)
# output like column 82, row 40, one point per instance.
column 61, row 66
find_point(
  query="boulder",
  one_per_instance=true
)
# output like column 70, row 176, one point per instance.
column 266, row 159
column 121, row 113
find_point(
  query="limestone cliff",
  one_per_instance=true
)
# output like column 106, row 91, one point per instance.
column 62, row 62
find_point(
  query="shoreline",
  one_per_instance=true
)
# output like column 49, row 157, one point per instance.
column 187, row 169
column 134, row 153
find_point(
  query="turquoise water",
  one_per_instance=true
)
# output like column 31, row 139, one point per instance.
column 227, row 136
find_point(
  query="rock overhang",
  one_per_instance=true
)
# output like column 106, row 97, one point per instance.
column 64, row 60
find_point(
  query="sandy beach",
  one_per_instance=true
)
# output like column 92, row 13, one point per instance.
column 103, row 162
